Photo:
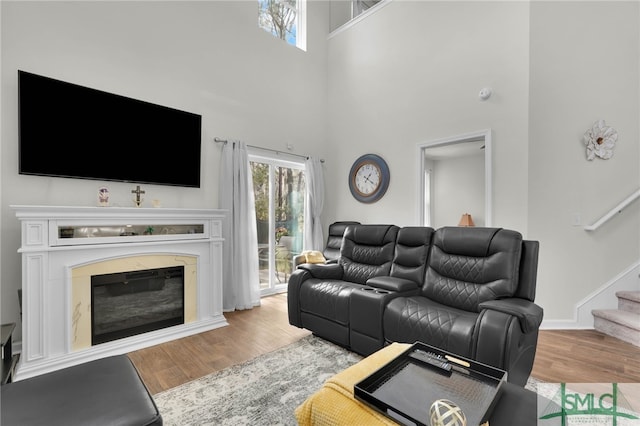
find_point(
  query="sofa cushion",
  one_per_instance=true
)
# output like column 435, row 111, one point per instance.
column 367, row 251
column 416, row 318
column 327, row 299
column 411, row 253
column 313, row 256
column 468, row 266
column 334, row 239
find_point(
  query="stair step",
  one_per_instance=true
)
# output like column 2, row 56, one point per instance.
column 624, row 325
column 629, row 301
column 626, row 318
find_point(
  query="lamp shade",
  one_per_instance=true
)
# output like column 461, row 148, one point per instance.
column 466, row 220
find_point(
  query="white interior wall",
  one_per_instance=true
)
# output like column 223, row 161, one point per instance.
column 340, row 13
column 411, row 73
column 205, row 57
column 577, row 77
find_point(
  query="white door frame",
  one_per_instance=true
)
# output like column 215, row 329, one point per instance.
column 484, row 135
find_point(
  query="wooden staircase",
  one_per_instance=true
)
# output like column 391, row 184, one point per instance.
column 624, row 322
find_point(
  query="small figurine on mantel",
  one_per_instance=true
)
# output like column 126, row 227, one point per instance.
column 103, row 196
column 138, row 200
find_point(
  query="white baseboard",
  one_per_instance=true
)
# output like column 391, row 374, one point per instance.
column 603, row 298
column 562, row 325
column 116, row 347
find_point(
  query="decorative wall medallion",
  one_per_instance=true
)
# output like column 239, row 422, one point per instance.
column 600, row 140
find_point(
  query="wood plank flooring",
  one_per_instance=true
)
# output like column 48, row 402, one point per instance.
column 569, row 356
column 585, row 356
column 250, row 333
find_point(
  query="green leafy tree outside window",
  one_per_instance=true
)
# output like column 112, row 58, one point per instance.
column 286, row 182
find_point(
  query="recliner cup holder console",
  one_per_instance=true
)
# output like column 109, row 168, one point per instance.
column 376, row 290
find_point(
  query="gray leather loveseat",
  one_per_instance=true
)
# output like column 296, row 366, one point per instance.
column 469, row 291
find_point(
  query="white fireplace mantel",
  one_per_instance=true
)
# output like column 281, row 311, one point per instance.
column 58, row 239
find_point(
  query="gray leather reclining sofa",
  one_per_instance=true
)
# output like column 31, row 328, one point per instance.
column 469, row 291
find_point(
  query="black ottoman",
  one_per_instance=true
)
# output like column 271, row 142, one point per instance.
column 107, row 391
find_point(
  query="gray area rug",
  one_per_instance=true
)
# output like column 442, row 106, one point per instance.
column 262, row 391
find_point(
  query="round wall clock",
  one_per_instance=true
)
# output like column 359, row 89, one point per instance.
column 369, row 178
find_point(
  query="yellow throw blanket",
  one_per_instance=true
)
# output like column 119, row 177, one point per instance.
column 334, row 403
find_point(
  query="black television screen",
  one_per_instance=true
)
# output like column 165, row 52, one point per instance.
column 72, row 131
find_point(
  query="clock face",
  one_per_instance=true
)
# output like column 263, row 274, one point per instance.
column 369, row 178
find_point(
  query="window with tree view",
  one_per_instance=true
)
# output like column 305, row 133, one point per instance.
column 279, row 189
column 285, row 19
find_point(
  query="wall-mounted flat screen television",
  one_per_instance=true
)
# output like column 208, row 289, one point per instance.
column 71, row 131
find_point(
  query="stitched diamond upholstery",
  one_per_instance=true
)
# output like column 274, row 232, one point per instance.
column 470, row 303
column 320, row 294
column 407, row 276
column 420, row 319
column 469, row 266
column 467, row 290
column 367, row 251
column 328, row 299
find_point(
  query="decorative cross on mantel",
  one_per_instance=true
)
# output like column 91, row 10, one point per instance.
column 138, row 192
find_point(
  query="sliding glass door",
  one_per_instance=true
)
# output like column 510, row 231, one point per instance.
column 279, row 188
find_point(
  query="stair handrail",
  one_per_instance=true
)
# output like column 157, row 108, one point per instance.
column 617, row 209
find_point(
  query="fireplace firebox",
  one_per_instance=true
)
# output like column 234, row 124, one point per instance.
column 129, row 303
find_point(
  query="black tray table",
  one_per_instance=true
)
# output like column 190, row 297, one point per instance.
column 405, row 388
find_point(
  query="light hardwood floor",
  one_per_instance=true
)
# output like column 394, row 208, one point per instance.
column 250, row 333
column 569, row 356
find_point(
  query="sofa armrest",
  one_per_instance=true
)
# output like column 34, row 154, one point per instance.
column 528, row 313
column 323, row 271
column 392, row 283
column 511, row 324
column 296, row 279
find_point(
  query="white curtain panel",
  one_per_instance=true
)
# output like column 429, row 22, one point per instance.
column 241, row 283
column 313, row 238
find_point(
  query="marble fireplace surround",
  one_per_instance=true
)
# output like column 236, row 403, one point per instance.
column 62, row 247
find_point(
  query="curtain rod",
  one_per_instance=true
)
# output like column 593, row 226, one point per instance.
column 224, row 141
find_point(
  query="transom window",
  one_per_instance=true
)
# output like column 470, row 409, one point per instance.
column 284, row 19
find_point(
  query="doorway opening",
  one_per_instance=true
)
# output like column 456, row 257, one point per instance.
column 455, row 179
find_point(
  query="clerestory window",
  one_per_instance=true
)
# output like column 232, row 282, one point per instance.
column 285, row 19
